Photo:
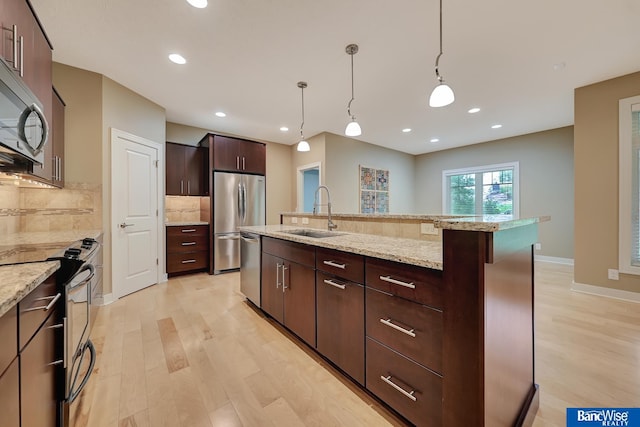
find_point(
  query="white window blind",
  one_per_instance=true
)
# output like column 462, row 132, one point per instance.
column 483, row 190
column 629, row 186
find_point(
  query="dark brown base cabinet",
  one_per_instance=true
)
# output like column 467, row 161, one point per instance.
column 187, row 248
column 288, row 286
column 446, row 348
column 31, row 379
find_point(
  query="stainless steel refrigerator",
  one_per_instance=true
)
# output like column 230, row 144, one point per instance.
column 238, row 199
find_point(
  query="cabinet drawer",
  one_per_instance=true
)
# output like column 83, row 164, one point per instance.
column 292, row 251
column 410, row 389
column 187, row 242
column 187, row 230
column 36, row 307
column 417, row 284
column 342, row 264
column 411, row 329
column 10, row 395
column 8, row 338
column 187, row 261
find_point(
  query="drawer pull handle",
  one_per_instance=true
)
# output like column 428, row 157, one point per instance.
column 397, row 282
column 388, row 322
column 188, row 243
column 409, row 394
column 45, row 307
column 189, row 230
column 188, row 261
column 335, row 264
column 334, row 284
column 57, row 362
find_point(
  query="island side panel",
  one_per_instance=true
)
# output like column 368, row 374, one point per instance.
column 509, row 345
column 464, row 256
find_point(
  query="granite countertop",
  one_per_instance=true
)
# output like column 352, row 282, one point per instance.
column 183, row 223
column 418, row 217
column 63, row 238
column 16, row 281
column 410, row 251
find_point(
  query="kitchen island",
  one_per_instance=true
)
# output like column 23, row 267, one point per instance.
column 441, row 331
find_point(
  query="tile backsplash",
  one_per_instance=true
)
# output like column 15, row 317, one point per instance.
column 186, row 208
column 75, row 207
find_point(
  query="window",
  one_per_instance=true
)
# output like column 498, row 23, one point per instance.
column 629, row 186
column 485, row 190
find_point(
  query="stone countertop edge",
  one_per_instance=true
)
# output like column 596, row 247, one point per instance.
column 185, row 223
column 487, row 223
column 52, row 238
column 422, row 253
column 372, row 216
column 16, row 281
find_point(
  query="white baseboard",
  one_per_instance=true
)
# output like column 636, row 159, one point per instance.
column 164, row 278
column 105, row 299
column 606, row 292
column 553, row 260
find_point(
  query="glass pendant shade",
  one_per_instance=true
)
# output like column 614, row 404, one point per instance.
column 353, row 128
column 441, row 96
column 303, row 146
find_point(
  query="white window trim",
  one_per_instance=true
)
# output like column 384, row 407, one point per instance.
column 479, row 169
column 626, row 106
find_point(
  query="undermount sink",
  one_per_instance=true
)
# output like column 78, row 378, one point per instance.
column 316, row 234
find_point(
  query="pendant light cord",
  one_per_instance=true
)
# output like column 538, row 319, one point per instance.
column 440, row 54
column 352, row 96
column 302, row 124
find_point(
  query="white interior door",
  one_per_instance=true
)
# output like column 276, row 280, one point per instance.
column 134, row 212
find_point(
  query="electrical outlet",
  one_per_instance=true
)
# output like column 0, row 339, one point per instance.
column 428, row 228
column 305, row 220
column 612, row 274
column 538, row 246
column 294, row 220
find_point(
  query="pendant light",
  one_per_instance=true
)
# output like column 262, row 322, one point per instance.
column 353, row 128
column 302, row 145
column 442, row 94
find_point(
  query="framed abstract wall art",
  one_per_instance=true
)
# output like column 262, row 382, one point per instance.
column 374, row 190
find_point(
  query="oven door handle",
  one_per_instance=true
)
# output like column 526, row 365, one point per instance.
column 92, row 351
column 92, row 272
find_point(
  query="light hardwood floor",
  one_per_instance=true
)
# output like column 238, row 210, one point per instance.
column 191, row 352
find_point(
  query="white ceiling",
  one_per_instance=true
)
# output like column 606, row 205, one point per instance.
column 246, row 56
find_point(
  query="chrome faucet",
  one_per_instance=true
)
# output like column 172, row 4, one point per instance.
column 330, row 224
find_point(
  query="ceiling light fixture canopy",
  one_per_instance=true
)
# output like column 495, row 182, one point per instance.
column 303, row 145
column 353, row 128
column 200, row 4
column 442, row 94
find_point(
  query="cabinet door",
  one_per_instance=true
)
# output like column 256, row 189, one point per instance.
column 38, row 370
column 341, row 323
column 193, row 175
column 226, row 154
column 57, row 140
column 174, row 155
column 254, row 157
column 272, row 297
column 10, row 396
column 300, row 301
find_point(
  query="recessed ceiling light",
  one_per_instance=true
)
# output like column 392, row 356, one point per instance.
column 434, row 140
column 178, row 59
column 405, row 130
column 284, row 129
column 221, row 114
column 496, row 126
column 473, row 110
column 559, row 66
column 198, row 3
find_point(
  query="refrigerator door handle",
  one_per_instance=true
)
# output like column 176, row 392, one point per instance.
column 244, row 204
column 239, row 213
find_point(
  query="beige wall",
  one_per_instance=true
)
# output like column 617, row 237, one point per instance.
column 546, row 180
column 344, row 155
column 183, row 134
column 596, row 181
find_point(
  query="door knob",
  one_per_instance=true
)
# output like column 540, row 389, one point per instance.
column 125, row 225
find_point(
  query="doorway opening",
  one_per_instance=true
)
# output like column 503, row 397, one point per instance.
column 309, row 178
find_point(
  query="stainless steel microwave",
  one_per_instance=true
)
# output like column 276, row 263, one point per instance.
column 23, row 127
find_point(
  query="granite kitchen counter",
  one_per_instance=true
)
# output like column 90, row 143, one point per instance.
column 16, row 281
column 409, row 251
column 185, row 223
column 44, row 242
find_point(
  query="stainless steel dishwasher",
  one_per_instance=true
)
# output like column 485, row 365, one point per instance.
column 250, row 266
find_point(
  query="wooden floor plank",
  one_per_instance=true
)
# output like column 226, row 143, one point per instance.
column 173, row 351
